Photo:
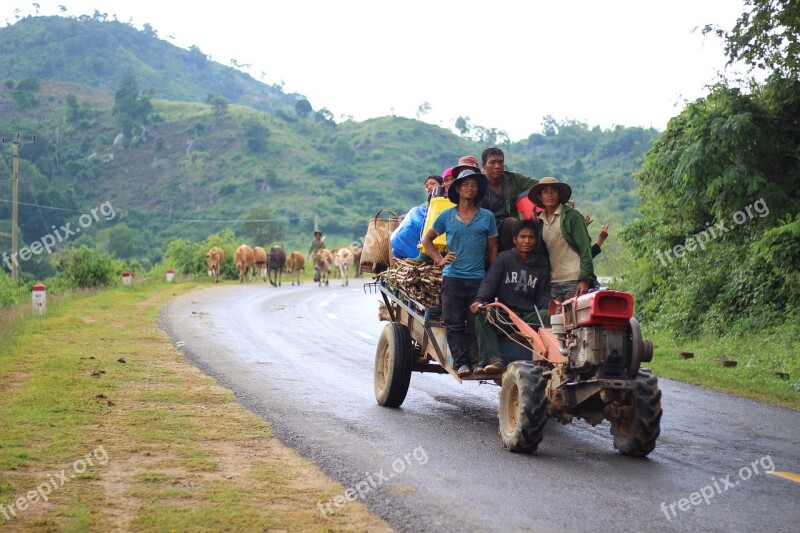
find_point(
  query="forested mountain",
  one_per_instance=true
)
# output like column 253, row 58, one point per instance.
column 184, row 147
column 100, row 53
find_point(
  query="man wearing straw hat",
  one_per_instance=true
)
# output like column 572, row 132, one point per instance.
column 316, row 245
column 567, row 239
column 471, row 235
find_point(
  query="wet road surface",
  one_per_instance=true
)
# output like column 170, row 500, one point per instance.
column 302, row 358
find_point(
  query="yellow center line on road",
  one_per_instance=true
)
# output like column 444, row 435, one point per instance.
column 787, row 475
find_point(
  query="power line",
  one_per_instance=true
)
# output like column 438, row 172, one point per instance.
column 171, row 220
column 288, row 219
column 42, row 206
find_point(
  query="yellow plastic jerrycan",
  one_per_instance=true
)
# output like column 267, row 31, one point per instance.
column 435, row 208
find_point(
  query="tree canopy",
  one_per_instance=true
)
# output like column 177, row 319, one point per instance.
column 720, row 206
column 765, row 37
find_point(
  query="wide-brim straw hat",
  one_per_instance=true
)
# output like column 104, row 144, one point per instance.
column 564, row 191
column 468, row 172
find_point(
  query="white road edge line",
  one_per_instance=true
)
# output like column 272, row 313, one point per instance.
column 331, row 316
column 364, row 335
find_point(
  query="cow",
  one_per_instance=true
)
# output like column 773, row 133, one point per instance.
column 214, row 260
column 356, row 258
column 275, row 265
column 260, row 261
column 244, row 260
column 323, row 262
column 343, row 260
column 294, row 264
column 332, row 266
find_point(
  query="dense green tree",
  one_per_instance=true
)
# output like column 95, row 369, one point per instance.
column 73, row 107
column 120, row 240
column 219, row 105
column 131, row 106
column 462, row 125
column 261, row 228
column 303, row 108
column 766, row 37
column 325, row 117
column 720, row 205
column 257, row 136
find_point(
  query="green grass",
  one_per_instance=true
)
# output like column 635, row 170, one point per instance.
column 759, row 358
column 182, row 454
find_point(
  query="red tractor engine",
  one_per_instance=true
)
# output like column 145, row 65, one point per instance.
column 600, row 336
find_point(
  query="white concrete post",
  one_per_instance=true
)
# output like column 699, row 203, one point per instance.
column 39, row 297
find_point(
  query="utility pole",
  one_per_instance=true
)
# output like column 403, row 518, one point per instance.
column 15, row 204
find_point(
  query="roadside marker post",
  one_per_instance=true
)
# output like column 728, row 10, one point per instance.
column 39, row 298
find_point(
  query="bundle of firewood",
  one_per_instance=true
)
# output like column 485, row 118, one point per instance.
column 421, row 282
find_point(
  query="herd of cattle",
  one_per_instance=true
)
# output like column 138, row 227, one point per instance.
column 258, row 263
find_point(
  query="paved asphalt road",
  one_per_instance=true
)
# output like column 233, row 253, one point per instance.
column 302, row 358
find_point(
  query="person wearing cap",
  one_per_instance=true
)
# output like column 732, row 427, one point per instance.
column 447, row 178
column 471, row 235
column 566, row 237
column 520, row 279
column 505, row 187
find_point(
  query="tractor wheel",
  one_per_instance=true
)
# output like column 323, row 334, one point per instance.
column 635, row 433
column 523, row 407
column 392, row 365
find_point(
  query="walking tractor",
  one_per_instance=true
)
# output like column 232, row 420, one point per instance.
column 587, row 365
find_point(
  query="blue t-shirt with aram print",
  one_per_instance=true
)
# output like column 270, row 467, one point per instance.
column 467, row 241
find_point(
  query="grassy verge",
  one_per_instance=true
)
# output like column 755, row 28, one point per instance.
column 767, row 365
column 105, row 426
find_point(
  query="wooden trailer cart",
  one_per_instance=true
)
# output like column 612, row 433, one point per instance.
column 586, row 365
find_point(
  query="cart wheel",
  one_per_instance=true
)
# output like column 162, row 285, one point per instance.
column 523, row 407
column 392, row 365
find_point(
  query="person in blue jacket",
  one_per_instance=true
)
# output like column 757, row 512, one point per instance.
column 406, row 236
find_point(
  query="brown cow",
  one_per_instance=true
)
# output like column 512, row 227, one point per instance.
column 294, row 264
column 356, row 258
column 275, row 265
column 260, row 261
column 245, row 261
column 323, row 262
column 214, row 260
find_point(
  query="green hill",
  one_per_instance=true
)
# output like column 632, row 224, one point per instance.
column 216, row 147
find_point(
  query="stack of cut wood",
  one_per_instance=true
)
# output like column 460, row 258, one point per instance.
column 421, row 282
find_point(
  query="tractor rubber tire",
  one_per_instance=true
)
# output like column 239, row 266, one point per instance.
column 637, row 436
column 522, row 412
column 393, row 362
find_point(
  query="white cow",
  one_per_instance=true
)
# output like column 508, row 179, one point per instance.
column 343, row 260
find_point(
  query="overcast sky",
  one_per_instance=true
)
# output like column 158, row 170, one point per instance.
column 503, row 63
